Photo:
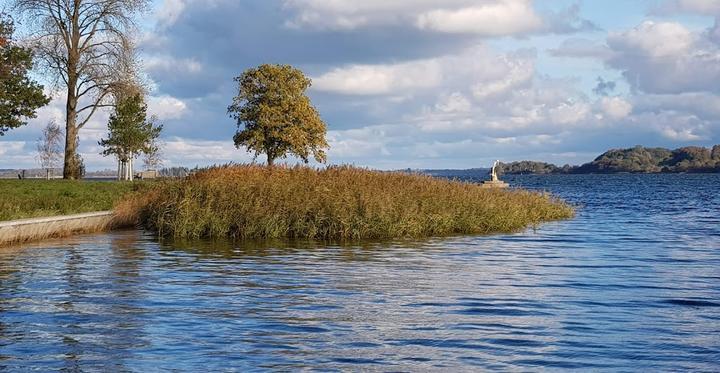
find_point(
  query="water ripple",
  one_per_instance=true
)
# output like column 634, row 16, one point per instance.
column 631, row 284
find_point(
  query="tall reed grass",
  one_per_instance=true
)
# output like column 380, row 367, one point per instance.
column 341, row 202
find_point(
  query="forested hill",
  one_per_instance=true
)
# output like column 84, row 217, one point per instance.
column 636, row 160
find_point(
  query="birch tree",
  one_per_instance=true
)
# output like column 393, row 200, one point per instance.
column 153, row 158
column 49, row 148
column 87, row 47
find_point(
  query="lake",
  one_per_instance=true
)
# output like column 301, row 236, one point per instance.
column 632, row 283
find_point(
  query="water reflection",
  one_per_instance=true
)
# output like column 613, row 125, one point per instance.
column 632, row 284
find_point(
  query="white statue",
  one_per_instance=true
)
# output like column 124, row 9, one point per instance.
column 494, row 182
column 493, row 173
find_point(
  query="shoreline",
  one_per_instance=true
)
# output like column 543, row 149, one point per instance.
column 36, row 229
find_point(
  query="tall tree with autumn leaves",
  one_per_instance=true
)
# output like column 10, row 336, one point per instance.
column 274, row 115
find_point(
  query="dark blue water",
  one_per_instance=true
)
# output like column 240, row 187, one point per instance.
column 631, row 284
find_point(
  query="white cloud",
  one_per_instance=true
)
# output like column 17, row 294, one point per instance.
column 169, row 63
column 507, row 73
column 456, row 102
column 368, row 142
column 569, row 113
column 677, row 126
column 615, row 107
column 166, row 107
column 380, row 79
column 410, row 66
column 542, row 106
column 700, row 6
column 169, row 11
column 703, row 105
column 202, row 149
column 480, row 17
column 351, row 14
column 706, row 7
column 680, row 134
column 17, row 154
column 654, row 39
column 8, row 148
column 505, row 17
column 666, row 57
column 490, row 74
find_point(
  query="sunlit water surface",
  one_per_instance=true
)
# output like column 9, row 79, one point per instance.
column 632, row 283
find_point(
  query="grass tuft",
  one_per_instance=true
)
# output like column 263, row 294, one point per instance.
column 340, row 202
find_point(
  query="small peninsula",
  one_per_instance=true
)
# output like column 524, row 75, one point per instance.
column 639, row 159
column 335, row 203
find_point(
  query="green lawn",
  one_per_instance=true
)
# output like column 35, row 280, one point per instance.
column 20, row 199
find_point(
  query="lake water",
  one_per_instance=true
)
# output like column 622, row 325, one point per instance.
column 632, row 283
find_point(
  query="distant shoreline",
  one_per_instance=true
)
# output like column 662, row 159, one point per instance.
column 475, row 172
column 636, row 160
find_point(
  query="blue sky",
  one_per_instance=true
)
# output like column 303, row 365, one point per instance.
column 429, row 83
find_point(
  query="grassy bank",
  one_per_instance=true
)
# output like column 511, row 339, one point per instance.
column 336, row 203
column 22, row 199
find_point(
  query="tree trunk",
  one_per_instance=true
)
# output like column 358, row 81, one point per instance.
column 70, row 167
column 47, row 174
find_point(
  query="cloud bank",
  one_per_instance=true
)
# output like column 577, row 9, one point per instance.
column 426, row 83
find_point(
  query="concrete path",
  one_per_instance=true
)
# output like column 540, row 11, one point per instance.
column 18, row 231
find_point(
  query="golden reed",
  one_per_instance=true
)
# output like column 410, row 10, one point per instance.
column 338, row 202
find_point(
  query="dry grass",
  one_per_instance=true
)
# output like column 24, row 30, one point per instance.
column 249, row 201
column 18, row 232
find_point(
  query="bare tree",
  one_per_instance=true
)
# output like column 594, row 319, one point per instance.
column 86, row 45
column 153, row 158
column 49, row 148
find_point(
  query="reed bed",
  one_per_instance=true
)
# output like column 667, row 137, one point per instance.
column 341, row 202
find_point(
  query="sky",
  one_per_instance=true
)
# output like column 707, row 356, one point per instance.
column 429, row 83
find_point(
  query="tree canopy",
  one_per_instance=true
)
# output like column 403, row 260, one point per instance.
column 130, row 133
column 274, row 115
column 20, row 97
column 715, row 154
column 531, row 167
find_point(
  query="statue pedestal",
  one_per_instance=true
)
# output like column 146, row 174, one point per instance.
column 494, row 184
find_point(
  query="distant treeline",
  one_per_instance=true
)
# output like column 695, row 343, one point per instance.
column 34, row 173
column 9, row 173
column 634, row 160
